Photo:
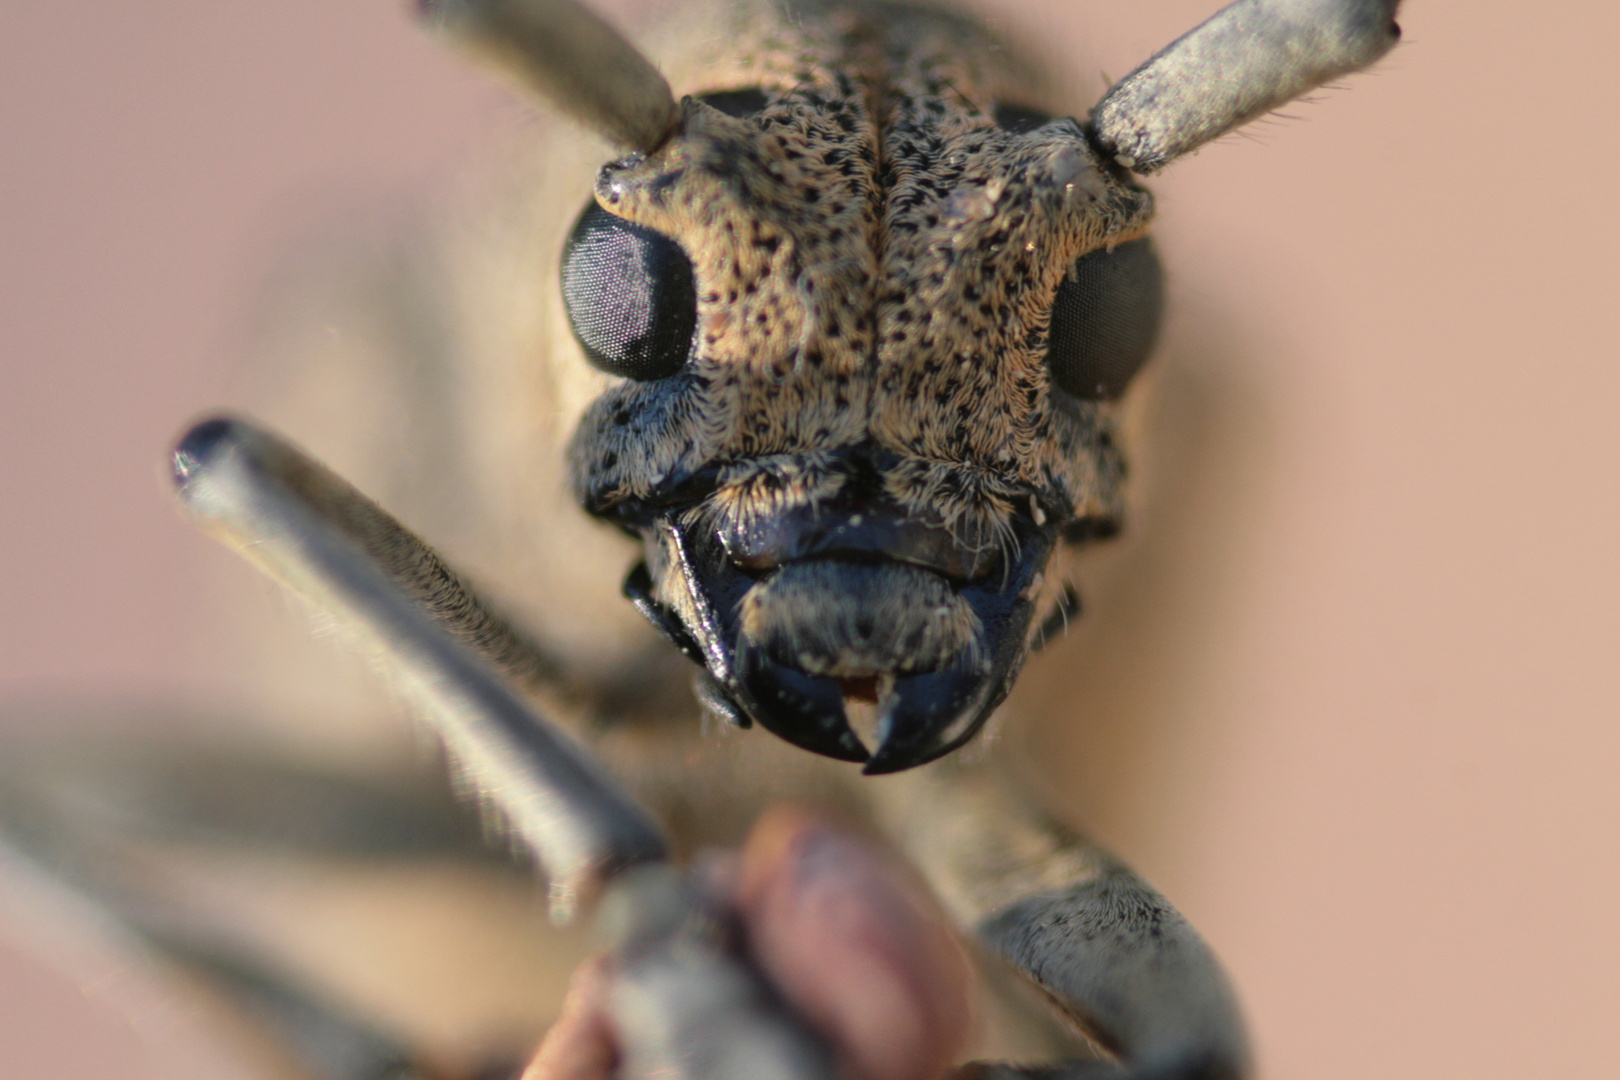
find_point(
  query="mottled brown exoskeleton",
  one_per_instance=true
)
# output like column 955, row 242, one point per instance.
column 859, row 310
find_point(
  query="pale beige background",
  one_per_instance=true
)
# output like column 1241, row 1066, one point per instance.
column 1359, row 684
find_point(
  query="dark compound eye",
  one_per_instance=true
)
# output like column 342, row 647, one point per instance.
column 630, row 296
column 1105, row 319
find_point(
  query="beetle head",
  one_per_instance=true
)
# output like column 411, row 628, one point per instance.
column 868, row 336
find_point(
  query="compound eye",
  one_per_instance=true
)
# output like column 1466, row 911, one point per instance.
column 630, row 296
column 1105, row 319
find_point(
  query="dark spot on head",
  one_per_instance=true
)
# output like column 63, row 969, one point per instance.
column 1020, row 119
column 659, row 185
column 739, row 103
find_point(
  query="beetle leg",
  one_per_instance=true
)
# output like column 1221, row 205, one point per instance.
column 1115, row 957
column 144, row 847
column 307, row 528
column 421, row 575
column 689, row 1004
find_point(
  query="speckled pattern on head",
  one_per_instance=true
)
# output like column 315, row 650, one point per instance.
column 875, row 262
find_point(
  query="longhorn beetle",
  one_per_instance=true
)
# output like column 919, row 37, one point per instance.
column 857, row 311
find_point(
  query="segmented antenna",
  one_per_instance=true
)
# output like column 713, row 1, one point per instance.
column 568, row 55
column 1246, row 60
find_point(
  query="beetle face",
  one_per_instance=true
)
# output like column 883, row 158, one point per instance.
column 869, row 338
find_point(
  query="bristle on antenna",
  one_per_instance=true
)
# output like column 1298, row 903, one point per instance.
column 1246, row 60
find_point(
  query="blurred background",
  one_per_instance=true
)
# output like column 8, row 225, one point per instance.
column 1353, row 688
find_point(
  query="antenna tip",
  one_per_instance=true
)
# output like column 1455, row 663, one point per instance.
column 201, row 446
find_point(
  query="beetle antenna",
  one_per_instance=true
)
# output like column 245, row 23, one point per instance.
column 1246, row 60
column 567, row 54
